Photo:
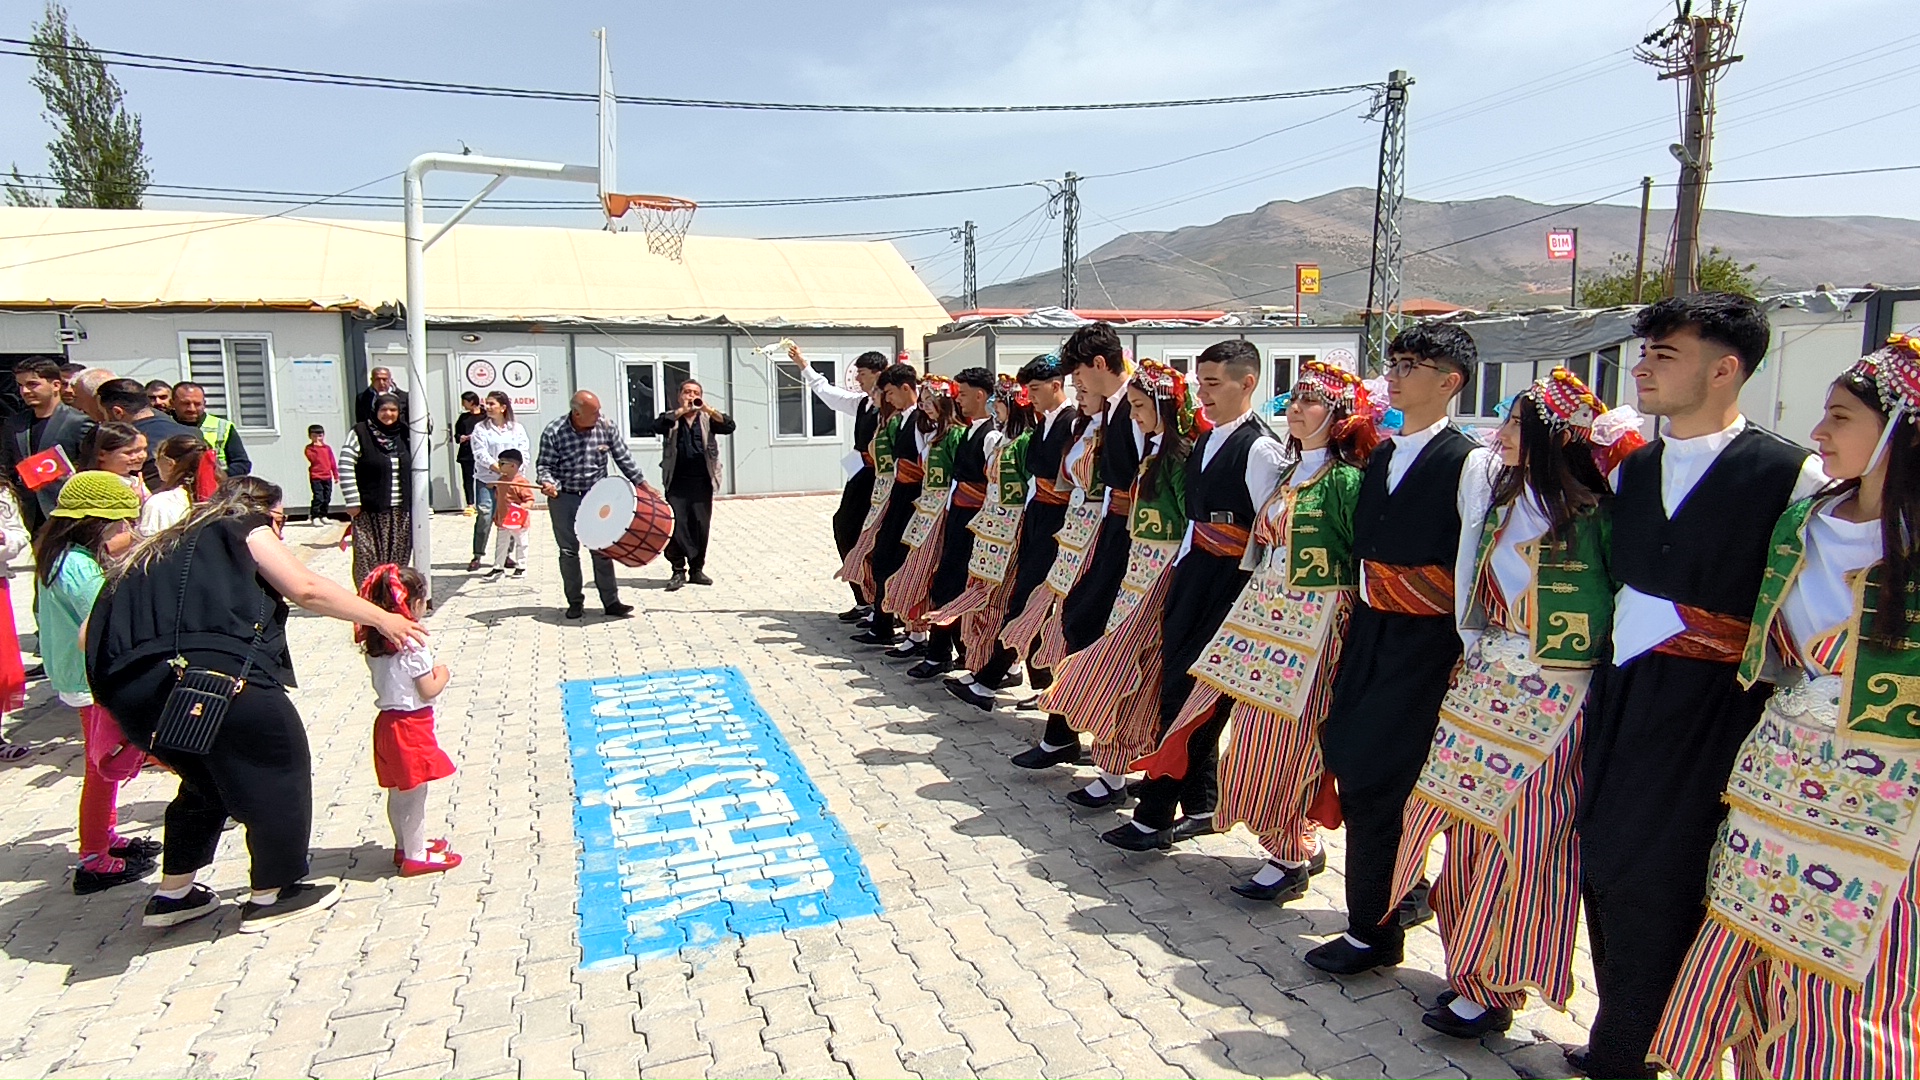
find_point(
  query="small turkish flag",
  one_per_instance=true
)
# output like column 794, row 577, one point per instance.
column 515, row 518
column 45, row 467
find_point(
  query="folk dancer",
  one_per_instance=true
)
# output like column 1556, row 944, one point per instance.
column 905, row 592
column 1037, row 459
column 1235, row 468
column 899, row 451
column 1401, row 644
column 1502, row 778
column 1111, row 688
column 856, row 498
column 1809, row 962
column 1037, row 628
column 1094, row 357
column 1274, row 657
column 1691, row 526
column 976, row 440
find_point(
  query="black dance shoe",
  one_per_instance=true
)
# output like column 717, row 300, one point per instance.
column 1128, row 838
column 1080, row 797
column 927, row 669
column 1189, row 827
column 1039, row 757
column 972, row 694
column 1447, row 1022
column 1291, row 886
column 1342, row 957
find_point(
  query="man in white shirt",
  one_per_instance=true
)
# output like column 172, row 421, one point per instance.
column 857, row 496
column 1692, row 523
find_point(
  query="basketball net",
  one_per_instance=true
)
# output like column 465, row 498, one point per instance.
column 663, row 218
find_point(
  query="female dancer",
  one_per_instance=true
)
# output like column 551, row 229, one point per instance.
column 978, row 611
column 1809, row 962
column 906, row 588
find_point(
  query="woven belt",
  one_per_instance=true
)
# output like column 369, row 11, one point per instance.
column 908, row 472
column 968, row 495
column 1223, row 539
column 1408, row 590
column 1709, row 636
column 1047, row 493
column 866, row 459
column 1121, row 504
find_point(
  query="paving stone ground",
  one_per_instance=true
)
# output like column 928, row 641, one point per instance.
column 1012, row 942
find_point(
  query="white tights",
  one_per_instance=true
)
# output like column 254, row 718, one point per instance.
column 407, row 813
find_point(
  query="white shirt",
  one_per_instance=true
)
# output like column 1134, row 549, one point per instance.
column 394, row 688
column 164, row 510
column 488, row 440
column 838, row 398
column 1820, row 600
column 1406, row 448
column 1266, row 464
column 1641, row 621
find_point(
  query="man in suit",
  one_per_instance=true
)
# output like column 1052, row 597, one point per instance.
column 690, row 470
column 380, row 381
column 46, row 422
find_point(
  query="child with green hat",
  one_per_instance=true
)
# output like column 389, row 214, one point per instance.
column 93, row 521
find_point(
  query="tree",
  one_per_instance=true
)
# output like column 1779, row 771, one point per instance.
column 1719, row 272
column 96, row 158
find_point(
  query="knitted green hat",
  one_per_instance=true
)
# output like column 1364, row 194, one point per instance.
column 97, row 494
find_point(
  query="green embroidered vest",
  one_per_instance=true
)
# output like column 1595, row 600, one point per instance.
column 1163, row 517
column 882, row 446
column 940, row 458
column 1881, row 688
column 1013, row 475
column 1571, row 596
column 1320, row 530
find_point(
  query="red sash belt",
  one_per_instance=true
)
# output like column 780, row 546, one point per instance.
column 969, row 496
column 1408, row 590
column 908, row 472
column 1709, row 636
column 1121, row 504
column 1225, row 540
column 1048, row 493
column 866, row 458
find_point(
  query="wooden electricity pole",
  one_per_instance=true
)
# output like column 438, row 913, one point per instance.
column 1640, row 253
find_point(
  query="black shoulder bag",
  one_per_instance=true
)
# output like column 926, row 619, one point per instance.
column 191, row 718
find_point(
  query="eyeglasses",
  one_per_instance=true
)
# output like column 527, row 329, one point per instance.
column 1400, row 369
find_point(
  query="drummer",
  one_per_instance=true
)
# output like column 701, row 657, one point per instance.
column 573, row 456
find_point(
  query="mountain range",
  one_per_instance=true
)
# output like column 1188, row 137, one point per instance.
column 1247, row 260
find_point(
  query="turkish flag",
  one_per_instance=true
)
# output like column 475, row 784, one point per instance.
column 45, row 467
column 515, row 518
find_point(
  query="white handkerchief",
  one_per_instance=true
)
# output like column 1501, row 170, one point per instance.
column 853, row 463
column 1641, row 622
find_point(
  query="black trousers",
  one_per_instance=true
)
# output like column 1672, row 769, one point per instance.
column 889, row 550
column 1394, row 673
column 1087, row 607
column 322, row 491
column 1662, row 739
column 855, row 499
column 467, row 490
column 1203, row 590
column 691, row 497
column 259, row 773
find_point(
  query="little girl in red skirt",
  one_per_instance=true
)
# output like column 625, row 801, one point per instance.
column 406, row 756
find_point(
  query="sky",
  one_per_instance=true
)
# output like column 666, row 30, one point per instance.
column 1535, row 98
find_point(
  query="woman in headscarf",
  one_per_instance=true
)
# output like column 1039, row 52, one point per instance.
column 376, row 479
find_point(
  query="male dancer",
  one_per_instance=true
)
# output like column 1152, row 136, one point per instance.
column 1402, row 644
column 1047, row 499
column 857, row 496
column 1094, row 357
column 1691, row 527
column 973, row 392
column 1231, row 474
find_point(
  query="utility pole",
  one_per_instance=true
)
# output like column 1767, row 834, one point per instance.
column 970, row 285
column 1069, row 239
column 1640, row 253
column 1383, row 276
column 1697, row 48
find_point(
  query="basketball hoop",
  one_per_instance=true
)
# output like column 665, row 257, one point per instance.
column 663, row 218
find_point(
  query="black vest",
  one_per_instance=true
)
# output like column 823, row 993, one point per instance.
column 1119, row 463
column 1047, row 454
column 1221, row 487
column 1713, row 553
column 866, row 423
column 1418, row 523
column 906, row 443
column 970, row 460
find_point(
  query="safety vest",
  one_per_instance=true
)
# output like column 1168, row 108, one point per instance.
column 215, row 430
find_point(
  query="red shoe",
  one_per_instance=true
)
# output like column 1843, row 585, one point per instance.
column 433, row 847
column 437, row 862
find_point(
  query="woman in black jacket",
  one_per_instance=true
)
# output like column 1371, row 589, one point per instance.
column 376, row 480
column 258, row 771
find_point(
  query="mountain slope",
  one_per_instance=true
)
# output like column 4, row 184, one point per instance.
column 1247, row 259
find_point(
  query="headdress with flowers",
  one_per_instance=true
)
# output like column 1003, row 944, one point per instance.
column 935, row 387
column 1009, row 390
column 1163, row 382
column 1566, row 404
column 1894, row 370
